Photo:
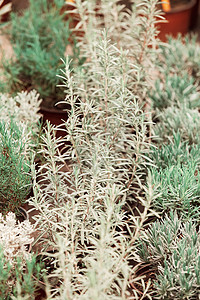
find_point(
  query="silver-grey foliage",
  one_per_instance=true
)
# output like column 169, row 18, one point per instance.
column 173, row 247
column 81, row 203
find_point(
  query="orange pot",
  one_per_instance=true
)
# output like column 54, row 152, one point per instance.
column 178, row 21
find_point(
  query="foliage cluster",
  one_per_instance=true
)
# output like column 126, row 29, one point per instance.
column 14, row 166
column 172, row 242
column 176, row 177
column 39, row 39
column 23, row 108
column 19, row 129
column 175, row 96
column 15, row 238
column 19, row 271
column 172, row 246
column 83, row 208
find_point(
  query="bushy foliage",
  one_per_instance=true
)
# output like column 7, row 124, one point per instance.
column 172, row 120
column 39, row 38
column 175, row 95
column 81, row 195
column 178, row 188
column 175, row 176
column 15, row 176
column 176, row 101
column 175, row 151
column 171, row 243
column 172, row 246
column 180, row 55
column 24, row 108
column 94, row 198
column 14, row 238
column 175, row 90
column 19, row 270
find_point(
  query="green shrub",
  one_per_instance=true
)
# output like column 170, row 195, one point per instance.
column 39, row 38
column 175, row 90
column 15, row 176
column 183, row 120
column 180, row 55
column 178, row 188
column 175, row 151
column 175, row 95
column 175, row 176
column 172, row 246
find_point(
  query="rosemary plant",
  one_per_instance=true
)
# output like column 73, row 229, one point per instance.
column 82, row 195
column 14, row 165
column 39, row 38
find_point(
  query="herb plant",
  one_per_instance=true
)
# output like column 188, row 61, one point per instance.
column 172, row 246
column 178, row 187
column 175, row 151
column 175, row 90
column 180, row 55
column 97, row 200
column 14, row 165
column 39, row 38
column 83, row 195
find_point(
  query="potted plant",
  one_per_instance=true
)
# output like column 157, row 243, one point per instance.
column 82, row 210
column 14, row 166
column 178, row 16
column 38, row 44
column 19, row 130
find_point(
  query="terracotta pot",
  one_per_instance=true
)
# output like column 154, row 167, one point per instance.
column 178, row 21
column 55, row 117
